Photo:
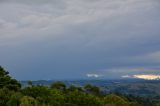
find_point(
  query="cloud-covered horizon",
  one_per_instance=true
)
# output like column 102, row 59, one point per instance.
column 143, row 76
column 67, row 39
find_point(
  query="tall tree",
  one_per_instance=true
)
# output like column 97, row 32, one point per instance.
column 7, row 81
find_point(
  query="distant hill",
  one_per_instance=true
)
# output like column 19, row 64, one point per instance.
column 126, row 86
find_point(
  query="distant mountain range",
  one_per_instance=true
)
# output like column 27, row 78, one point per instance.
column 138, row 87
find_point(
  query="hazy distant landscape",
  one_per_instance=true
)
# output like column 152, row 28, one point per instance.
column 137, row 87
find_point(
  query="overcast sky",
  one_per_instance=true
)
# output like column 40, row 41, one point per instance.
column 76, row 39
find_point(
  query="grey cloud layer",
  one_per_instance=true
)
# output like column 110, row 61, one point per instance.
column 74, row 37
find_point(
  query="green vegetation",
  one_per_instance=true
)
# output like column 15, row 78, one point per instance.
column 58, row 94
column 7, row 82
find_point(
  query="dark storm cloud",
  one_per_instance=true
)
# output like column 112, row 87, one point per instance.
column 64, row 39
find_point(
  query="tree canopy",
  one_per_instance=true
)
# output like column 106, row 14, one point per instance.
column 58, row 94
column 7, row 81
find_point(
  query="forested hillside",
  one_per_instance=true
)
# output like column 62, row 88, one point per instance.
column 58, row 94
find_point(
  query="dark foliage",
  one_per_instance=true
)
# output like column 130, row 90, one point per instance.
column 58, row 94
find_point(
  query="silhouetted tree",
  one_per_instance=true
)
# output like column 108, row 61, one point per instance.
column 7, row 81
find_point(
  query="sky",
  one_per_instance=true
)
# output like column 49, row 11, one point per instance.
column 80, row 39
